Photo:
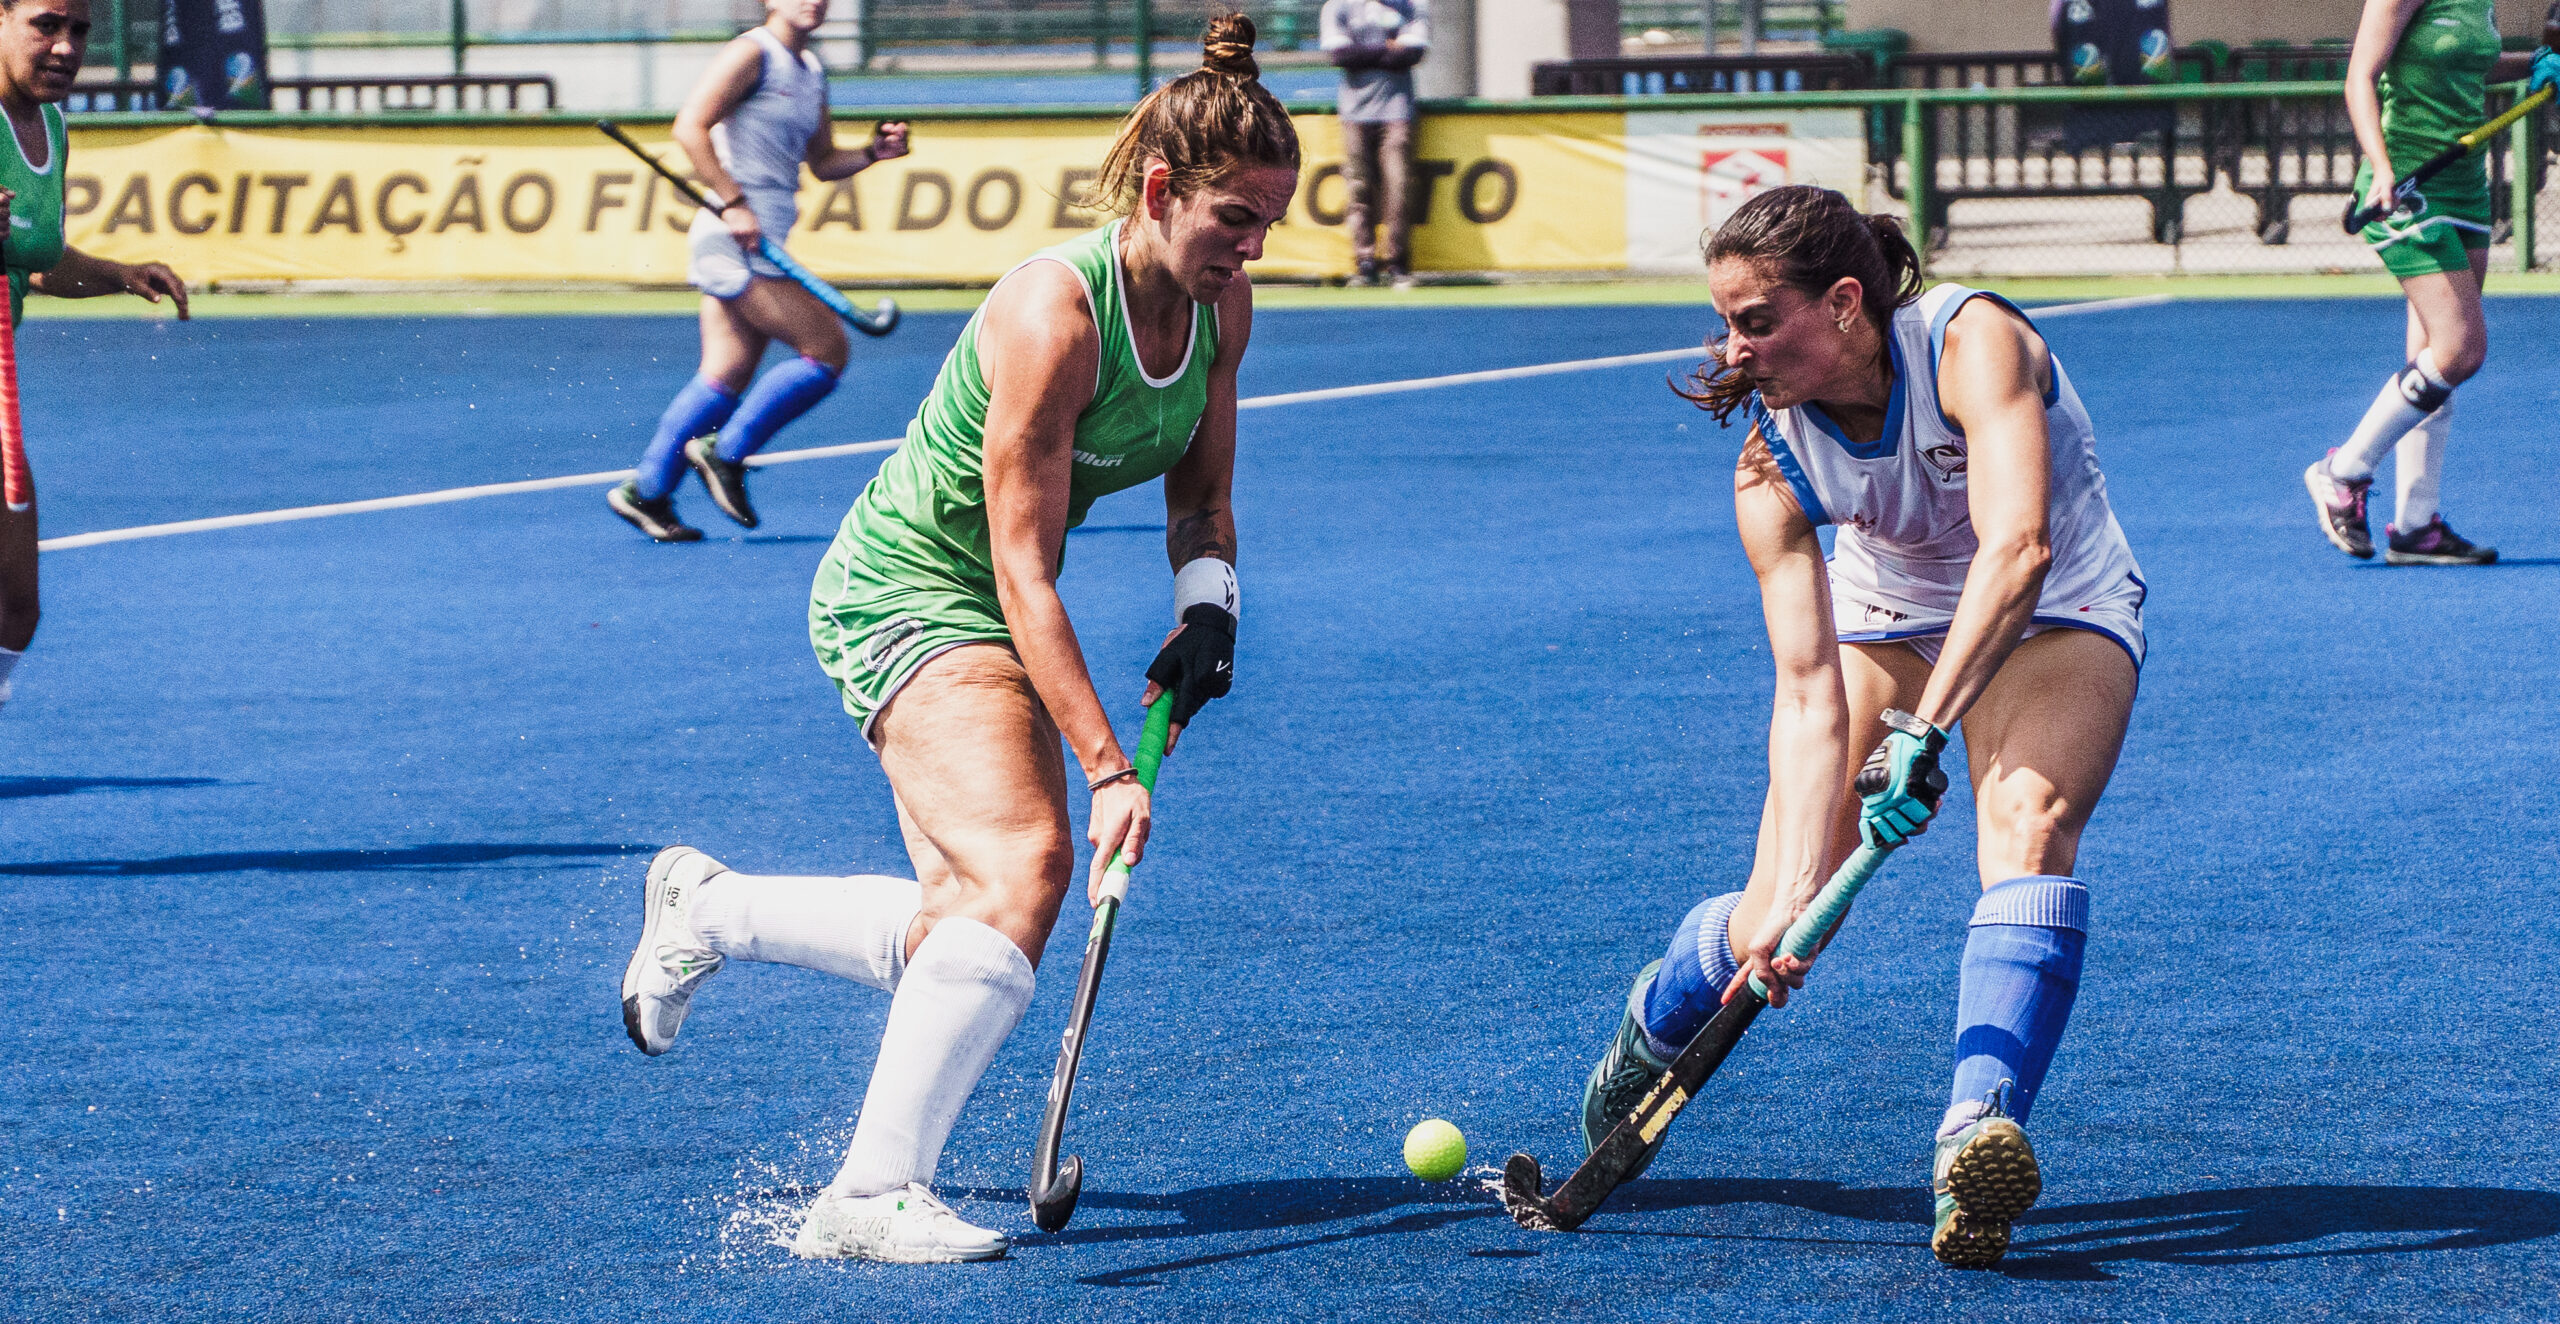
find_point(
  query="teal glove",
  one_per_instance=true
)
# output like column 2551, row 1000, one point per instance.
column 1898, row 789
column 2546, row 71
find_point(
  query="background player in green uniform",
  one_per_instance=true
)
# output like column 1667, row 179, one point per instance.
column 41, row 42
column 2418, row 79
column 1093, row 367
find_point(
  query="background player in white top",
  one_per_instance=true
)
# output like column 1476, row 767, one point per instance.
column 1980, row 580
column 758, row 114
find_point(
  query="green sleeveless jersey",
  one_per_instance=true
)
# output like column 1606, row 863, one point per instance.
column 34, row 242
column 2435, row 87
column 921, row 523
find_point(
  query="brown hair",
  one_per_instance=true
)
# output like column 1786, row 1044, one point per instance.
column 1812, row 237
column 1205, row 125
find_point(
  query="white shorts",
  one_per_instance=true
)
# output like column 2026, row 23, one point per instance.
column 717, row 266
column 2114, row 611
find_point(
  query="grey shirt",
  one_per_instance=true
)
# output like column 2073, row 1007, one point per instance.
column 1377, row 84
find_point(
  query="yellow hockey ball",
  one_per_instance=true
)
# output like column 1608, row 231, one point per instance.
column 1435, row 1150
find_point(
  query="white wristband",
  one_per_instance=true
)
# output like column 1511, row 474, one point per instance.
column 1204, row 579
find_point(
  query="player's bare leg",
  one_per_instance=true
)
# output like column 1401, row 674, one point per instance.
column 770, row 310
column 981, row 783
column 18, row 605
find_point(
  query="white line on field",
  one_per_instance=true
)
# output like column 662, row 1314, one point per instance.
column 292, row 514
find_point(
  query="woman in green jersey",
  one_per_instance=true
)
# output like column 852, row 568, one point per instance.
column 1092, row 367
column 41, row 42
column 2418, row 79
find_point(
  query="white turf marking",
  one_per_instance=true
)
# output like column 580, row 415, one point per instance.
column 292, row 514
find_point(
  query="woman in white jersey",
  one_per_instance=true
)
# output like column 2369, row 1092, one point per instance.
column 1979, row 580
column 758, row 114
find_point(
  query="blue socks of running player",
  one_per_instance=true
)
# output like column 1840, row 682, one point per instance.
column 2021, row 972
column 778, row 397
column 1690, row 986
column 698, row 410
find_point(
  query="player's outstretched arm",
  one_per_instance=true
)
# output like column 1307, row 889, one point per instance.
column 1809, row 721
column 830, row 162
column 1198, row 660
column 1042, row 351
column 730, row 80
column 86, row 276
column 1992, row 379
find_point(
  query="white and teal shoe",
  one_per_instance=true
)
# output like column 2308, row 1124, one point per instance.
column 670, row 962
column 1985, row 1176
column 904, row 1226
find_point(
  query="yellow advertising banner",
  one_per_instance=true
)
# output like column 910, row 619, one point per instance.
column 458, row 202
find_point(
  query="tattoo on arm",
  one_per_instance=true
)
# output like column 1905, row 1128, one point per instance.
column 1198, row 534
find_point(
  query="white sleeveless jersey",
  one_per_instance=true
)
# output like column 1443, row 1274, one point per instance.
column 1906, row 539
column 766, row 137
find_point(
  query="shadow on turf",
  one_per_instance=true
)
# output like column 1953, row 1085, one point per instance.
column 2211, row 1228
column 29, row 788
column 450, row 855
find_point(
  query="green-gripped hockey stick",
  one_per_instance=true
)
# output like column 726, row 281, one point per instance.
column 1055, row 1185
column 1582, row 1193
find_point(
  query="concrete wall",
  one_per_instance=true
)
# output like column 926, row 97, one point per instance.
column 2006, row 25
column 1511, row 35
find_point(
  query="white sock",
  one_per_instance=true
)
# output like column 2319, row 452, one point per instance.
column 2394, row 412
column 964, row 992
column 2418, row 466
column 8, row 663
column 853, row 927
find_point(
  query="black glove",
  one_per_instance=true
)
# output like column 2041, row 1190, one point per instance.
column 1199, row 664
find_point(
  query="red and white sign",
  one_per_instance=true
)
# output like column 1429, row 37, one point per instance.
column 1730, row 177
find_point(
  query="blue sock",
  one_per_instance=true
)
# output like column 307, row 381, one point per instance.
column 2021, row 972
column 778, row 397
column 1689, row 988
column 700, row 408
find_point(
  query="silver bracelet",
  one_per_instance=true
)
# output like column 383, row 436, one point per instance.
column 1109, row 777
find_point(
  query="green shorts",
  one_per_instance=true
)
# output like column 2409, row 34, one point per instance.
column 2451, row 222
column 872, row 635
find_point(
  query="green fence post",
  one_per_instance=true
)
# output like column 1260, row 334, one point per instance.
column 1146, row 48
column 1101, row 34
column 2521, row 159
column 124, row 40
column 461, row 35
column 863, row 10
column 1915, row 189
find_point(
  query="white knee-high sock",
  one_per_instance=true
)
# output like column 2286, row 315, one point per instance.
column 853, row 927
column 2414, row 392
column 964, row 992
column 2418, row 467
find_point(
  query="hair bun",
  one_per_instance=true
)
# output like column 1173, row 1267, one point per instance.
column 1227, row 47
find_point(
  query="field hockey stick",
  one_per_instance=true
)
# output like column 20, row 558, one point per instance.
column 2406, row 191
column 1055, row 1185
column 878, row 322
column 17, row 483
column 1590, row 1184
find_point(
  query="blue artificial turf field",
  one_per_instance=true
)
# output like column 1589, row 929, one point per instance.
column 322, row 842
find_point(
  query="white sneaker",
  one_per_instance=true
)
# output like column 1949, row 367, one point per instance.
column 904, row 1226
column 670, row 961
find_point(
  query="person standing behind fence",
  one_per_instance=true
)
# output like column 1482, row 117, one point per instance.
column 757, row 115
column 2417, row 80
column 1377, row 43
